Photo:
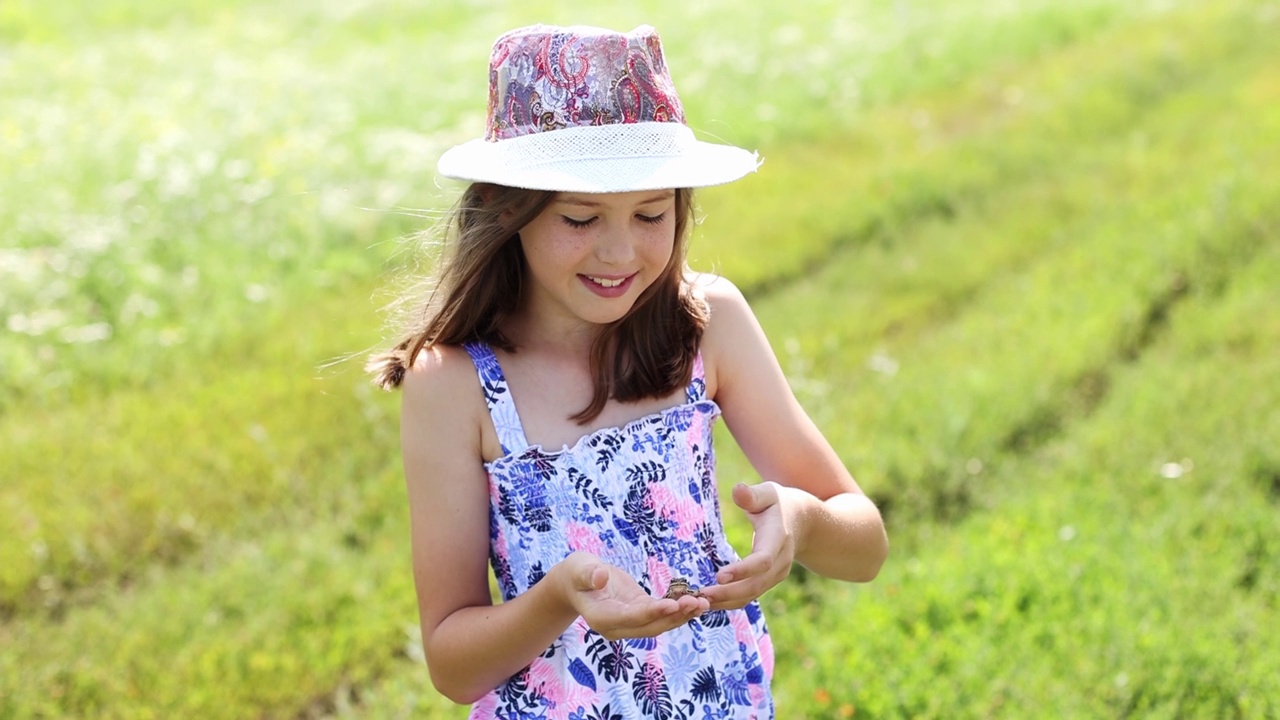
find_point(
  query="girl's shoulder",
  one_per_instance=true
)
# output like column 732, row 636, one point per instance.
column 440, row 365
column 441, row 393
column 717, row 291
column 726, row 304
column 731, row 324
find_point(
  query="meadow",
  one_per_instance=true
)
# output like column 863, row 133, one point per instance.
column 1018, row 259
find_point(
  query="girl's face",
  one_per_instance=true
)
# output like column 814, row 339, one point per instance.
column 590, row 256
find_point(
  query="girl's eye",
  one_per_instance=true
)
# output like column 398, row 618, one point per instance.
column 577, row 223
column 652, row 219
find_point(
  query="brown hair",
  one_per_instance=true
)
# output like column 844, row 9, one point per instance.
column 479, row 283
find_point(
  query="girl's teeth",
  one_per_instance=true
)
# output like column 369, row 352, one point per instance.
column 606, row 283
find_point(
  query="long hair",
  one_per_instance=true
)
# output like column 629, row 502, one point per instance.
column 480, row 282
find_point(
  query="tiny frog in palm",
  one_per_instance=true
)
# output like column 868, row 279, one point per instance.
column 679, row 588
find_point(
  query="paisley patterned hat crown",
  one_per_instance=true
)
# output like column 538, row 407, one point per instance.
column 582, row 109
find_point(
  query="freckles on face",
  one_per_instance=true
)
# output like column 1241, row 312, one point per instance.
column 595, row 254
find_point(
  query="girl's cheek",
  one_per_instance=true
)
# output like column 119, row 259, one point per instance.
column 572, row 248
column 562, row 246
column 663, row 243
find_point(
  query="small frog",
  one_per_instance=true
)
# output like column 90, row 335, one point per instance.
column 679, row 588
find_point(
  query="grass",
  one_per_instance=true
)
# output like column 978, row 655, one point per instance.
column 1023, row 286
column 297, row 126
column 1091, row 582
column 920, row 185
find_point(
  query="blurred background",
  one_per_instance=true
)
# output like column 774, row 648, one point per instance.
column 1018, row 259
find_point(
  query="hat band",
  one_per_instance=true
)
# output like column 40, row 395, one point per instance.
column 619, row 141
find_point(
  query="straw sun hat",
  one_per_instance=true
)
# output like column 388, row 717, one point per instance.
column 581, row 109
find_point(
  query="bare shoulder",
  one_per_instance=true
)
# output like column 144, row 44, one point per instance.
column 442, row 396
column 726, row 302
column 440, row 363
column 731, row 329
column 715, row 288
column 439, row 371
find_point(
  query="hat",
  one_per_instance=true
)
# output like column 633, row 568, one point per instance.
column 582, row 109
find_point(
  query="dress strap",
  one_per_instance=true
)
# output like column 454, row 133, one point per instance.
column 697, row 389
column 497, row 395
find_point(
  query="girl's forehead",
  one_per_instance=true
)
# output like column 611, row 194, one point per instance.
column 607, row 200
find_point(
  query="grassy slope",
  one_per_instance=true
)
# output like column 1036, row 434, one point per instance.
column 86, row 514
column 1087, row 577
column 992, row 617
column 1096, row 585
column 225, row 630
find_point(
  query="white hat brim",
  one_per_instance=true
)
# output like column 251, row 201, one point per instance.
column 600, row 159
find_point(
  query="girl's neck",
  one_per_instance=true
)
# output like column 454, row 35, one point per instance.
column 560, row 335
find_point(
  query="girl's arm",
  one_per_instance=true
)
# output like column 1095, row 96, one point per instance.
column 472, row 645
column 810, row 509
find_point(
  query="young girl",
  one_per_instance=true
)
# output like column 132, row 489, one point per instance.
column 560, row 388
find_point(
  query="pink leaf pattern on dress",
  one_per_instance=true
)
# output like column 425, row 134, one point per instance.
column 641, row 496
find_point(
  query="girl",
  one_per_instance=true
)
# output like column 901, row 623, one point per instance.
column 560, row 388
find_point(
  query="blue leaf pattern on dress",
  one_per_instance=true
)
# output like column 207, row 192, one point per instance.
column 715, row 619
column 582, row 673
column 733, row 683
column 643, row 643
column 680, row 662
column 705, row 686
column 650, row 691
column 643, row 497
column 611, row 658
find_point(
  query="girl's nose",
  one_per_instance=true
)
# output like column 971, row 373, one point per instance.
column 615, row 247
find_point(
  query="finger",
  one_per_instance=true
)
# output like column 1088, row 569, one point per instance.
column 734, row 595
column 691, row 607
column 622, row 616
column 755, row 499
column 591, row 576
column 744, row 581
column 679, row 610
column 687, row 606
column 649, row 620
column 757, row 563
column 769, row 538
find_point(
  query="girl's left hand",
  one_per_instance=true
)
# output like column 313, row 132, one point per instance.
column 772, row 510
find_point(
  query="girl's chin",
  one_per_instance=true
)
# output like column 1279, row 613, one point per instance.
column 603, row 317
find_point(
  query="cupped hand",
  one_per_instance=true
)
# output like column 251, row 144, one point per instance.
column 613, row 604
column 771, row 508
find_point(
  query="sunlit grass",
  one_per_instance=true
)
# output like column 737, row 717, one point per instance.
column 236, row 193
column 1016, row 260
column 1090, row 583
column 226, row 156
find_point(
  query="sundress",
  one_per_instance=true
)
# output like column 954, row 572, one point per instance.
column 641, row 496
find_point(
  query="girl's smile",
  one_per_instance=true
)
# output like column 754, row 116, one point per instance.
column 591, row 256
column 607, row 286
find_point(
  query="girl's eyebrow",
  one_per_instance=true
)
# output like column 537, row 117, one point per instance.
column 585, row 202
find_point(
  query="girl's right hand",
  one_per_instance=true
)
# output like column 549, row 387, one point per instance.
column 613, row 604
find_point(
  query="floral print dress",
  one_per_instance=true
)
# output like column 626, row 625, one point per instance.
column 641, row 496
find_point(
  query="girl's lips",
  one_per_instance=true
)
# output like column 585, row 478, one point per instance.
column 593, row 283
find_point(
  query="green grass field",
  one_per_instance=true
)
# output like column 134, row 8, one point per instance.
column 1018, row 259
